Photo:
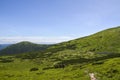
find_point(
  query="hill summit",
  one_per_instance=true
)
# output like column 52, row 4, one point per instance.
column 23, row 47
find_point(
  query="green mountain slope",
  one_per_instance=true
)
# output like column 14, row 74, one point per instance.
column 23, row 47
column 72, row 60
column 107, row 41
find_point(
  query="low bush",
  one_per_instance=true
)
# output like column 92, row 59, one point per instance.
column 59, row 65
column 98, row 63
column 34, row 69
column 6, row 60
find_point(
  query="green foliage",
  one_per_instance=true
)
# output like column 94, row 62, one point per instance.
column 27, row 69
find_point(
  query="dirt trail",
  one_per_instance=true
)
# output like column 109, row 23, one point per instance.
column 92, row 76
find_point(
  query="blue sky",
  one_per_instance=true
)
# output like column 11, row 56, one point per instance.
column 51, row 21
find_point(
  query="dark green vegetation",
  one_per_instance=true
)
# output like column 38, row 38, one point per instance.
column 72, row 60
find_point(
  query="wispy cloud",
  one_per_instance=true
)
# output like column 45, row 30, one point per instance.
column 42, row 40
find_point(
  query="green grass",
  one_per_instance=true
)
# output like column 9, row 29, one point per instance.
column 108, row 69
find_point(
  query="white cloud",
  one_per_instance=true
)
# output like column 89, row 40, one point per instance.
column 43, row 40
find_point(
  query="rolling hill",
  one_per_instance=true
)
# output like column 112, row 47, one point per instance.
column 23, row 47
column 106, row 41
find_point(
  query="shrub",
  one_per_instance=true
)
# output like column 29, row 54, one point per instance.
column 97, row 63
column 34, row 69
column 59, row 65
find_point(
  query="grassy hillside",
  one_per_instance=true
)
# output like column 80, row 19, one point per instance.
column 23, row 47
column 106, row 41
column 44, row 69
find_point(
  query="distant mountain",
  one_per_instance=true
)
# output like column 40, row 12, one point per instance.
column 106, row 41
column 23, row 47
column 2, row 46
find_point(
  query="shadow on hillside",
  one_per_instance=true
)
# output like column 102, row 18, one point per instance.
column 83, row 60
